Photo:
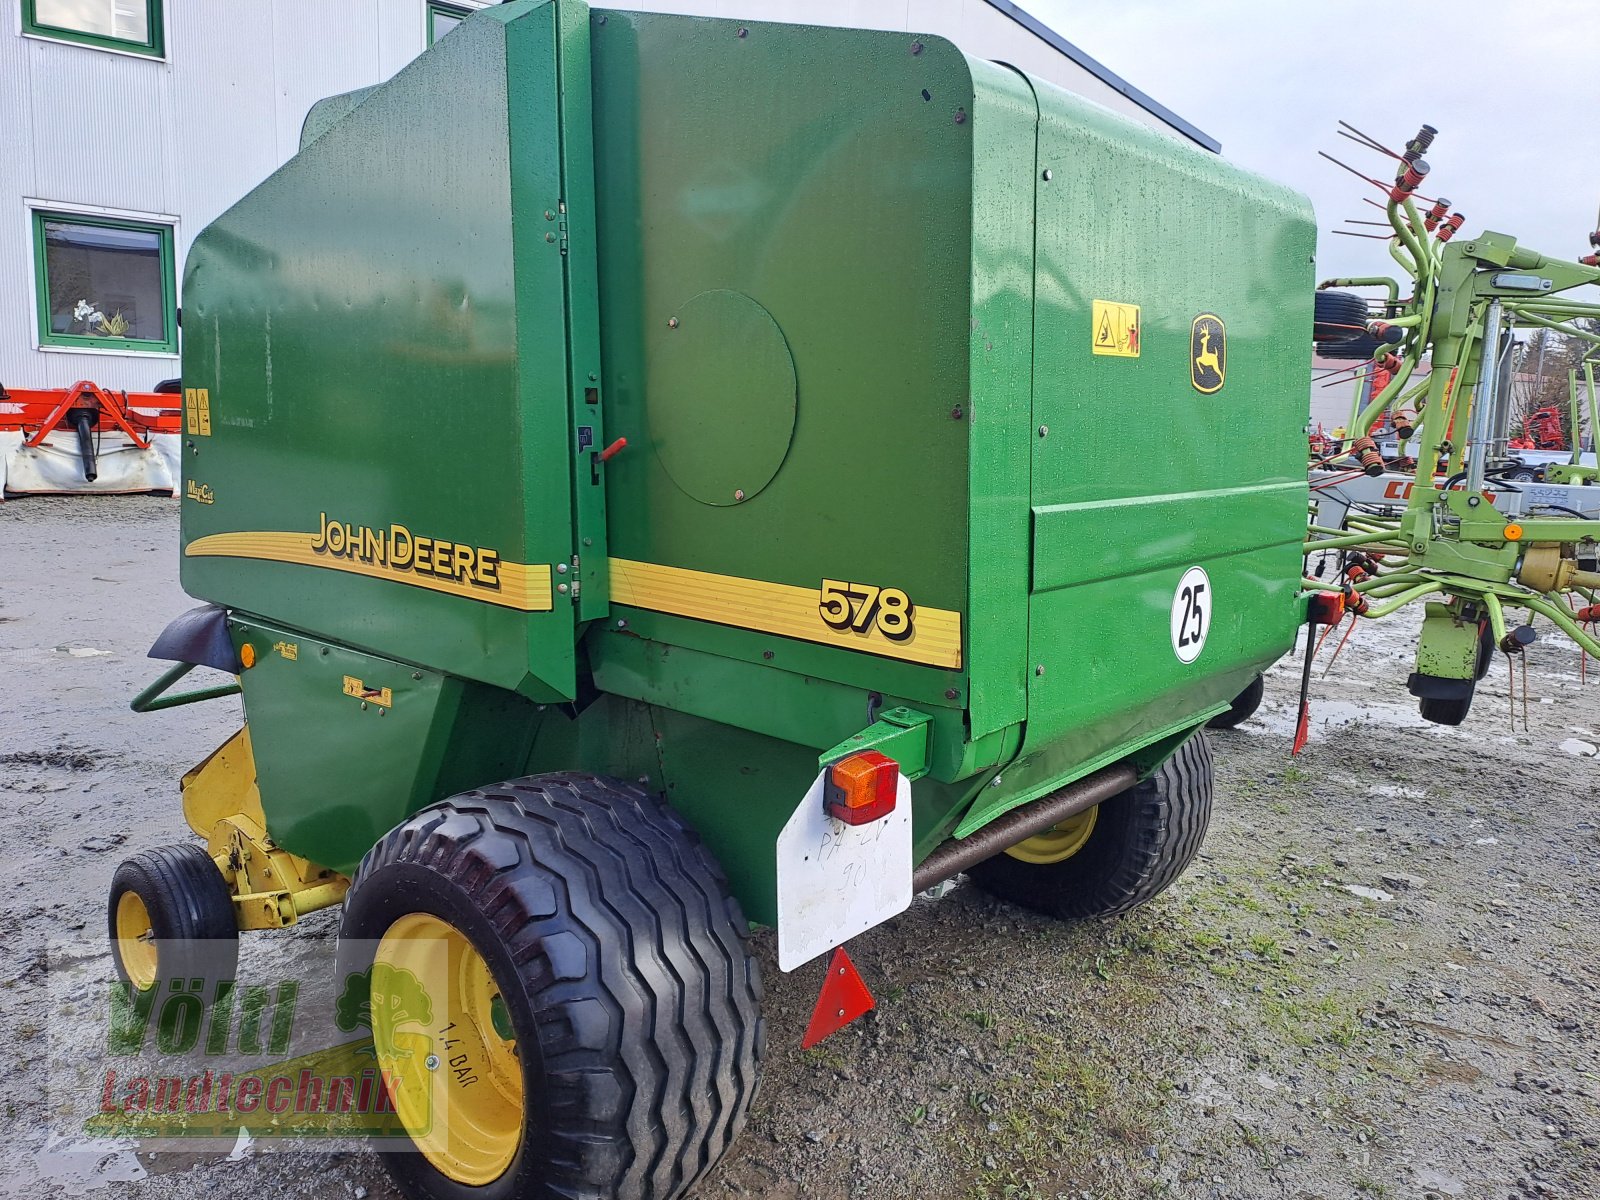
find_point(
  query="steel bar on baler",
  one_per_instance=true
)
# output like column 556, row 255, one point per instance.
column 152, row 699
column 956, row 855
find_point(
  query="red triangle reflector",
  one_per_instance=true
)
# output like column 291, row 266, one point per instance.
column 844, row 998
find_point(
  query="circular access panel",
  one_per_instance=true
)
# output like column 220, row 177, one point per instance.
column 722, row 398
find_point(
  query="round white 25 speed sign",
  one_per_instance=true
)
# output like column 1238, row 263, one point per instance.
column 1191, row 614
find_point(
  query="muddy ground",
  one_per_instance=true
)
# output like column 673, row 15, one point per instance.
column 1263, row 1029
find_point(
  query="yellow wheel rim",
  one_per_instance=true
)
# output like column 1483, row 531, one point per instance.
column 454, row 1074
column 1058, row 843
column 136, row 941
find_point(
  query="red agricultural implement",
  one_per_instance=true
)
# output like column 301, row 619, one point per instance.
column 1541, row 431
column 87, row 438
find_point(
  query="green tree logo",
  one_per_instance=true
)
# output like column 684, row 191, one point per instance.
column 395, row 991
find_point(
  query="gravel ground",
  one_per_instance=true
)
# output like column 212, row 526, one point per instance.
column 1378, row 980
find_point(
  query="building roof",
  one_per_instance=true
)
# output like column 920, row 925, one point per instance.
column 1110, row 78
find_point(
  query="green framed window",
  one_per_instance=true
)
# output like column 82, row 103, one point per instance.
column 105, row 284
column 132, row 25
column 442, row 18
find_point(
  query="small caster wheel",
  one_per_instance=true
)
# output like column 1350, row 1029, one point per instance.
column 171, row 917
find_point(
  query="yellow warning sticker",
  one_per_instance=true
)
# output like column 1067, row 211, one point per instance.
column 197, row 411
column 1115, row 329
column 382, row 697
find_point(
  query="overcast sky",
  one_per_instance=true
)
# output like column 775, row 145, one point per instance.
column 1514, row 90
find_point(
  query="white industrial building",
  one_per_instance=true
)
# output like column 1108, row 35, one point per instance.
column 128, row 125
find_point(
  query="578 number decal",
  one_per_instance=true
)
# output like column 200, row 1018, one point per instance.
column 862, row 607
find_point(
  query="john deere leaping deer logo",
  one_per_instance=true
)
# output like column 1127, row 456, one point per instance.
column 1208, row 353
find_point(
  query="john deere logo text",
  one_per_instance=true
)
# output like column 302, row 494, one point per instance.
column 200, row 493
column 398, row 549
column 1208, row 353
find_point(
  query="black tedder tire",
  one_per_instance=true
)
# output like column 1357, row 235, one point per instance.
column 1141, row 841
column 170, row 916
column 623, row 1033
column 1451, row 711
column 1243, row 707
column 1339, row 317
column 1358, row 349
column 1486, row 649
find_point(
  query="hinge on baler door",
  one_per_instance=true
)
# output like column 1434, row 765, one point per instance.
column 562, row 227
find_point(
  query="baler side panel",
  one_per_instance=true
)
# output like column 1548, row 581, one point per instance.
column 380, row 331
column 784, row 304
column 347, row 745
column 1150, row 467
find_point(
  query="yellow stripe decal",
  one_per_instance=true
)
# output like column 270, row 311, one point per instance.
column 778, row 608
column 522, row 586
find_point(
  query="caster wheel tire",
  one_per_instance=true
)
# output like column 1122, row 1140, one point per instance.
column 593, row 1016
column 1452, row 709
column 1445, row 712
column 1135, row 845
column 1243, row 707
column 170, row 916
column 1486, row 649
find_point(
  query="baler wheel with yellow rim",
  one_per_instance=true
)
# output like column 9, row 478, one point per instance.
column 1117, row 855
column 585, row 1014
column 170, row 916
column 1059, row 843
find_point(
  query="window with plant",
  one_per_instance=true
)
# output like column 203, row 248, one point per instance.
column 132, row 25
column 106, row 284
